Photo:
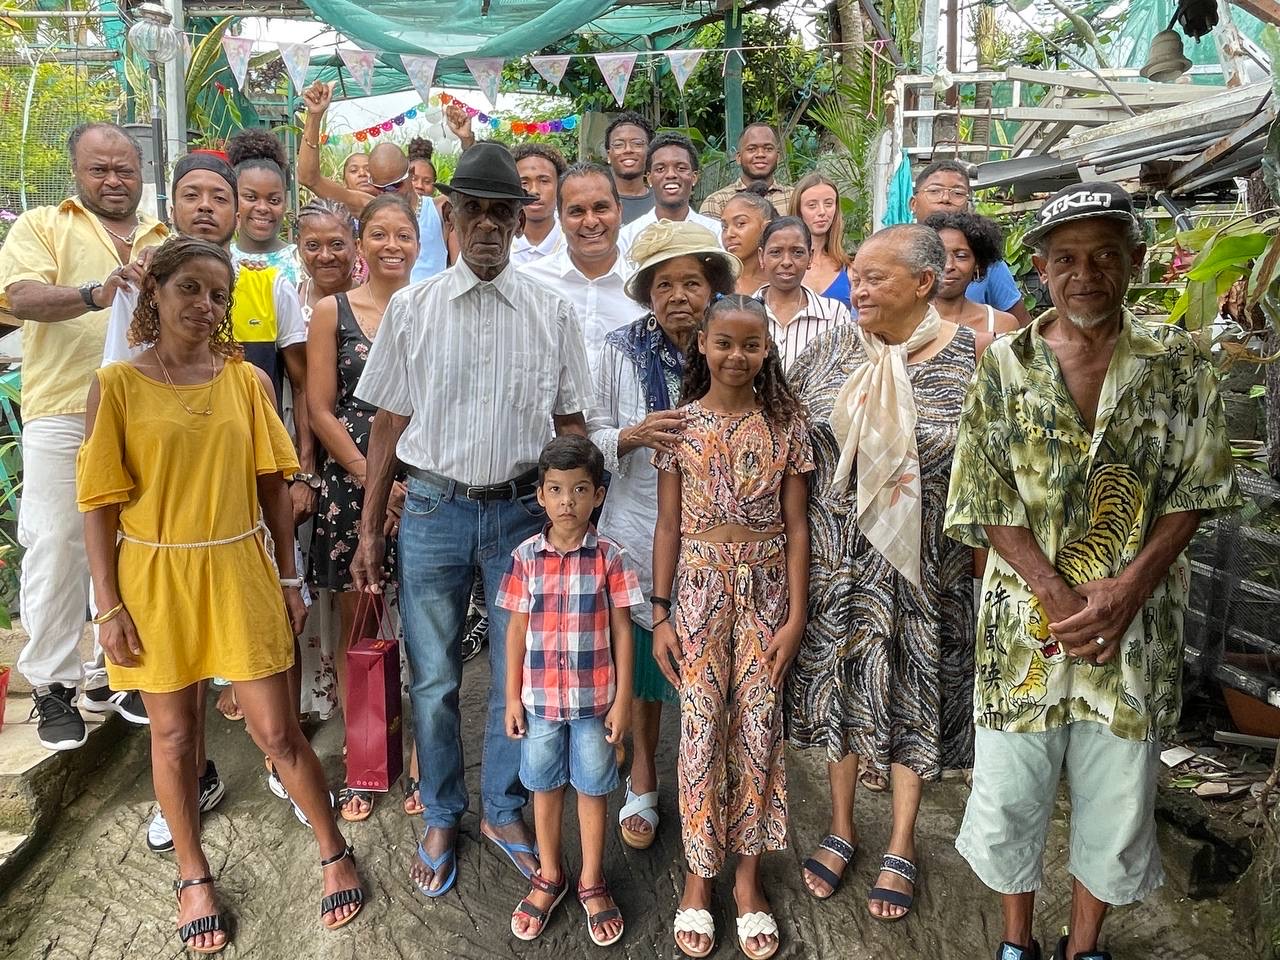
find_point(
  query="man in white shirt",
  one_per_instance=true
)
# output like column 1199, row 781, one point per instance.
column 671, row 167
column 589, row 271
column 540, row 168
column 472, row 372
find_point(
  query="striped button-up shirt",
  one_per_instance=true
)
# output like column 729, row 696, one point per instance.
column 479, row 368
column 818, row 315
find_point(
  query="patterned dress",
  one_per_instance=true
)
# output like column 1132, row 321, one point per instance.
column 337, row 521
column 886, row 668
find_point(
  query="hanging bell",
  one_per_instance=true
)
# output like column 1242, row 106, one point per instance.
column 1166, row 62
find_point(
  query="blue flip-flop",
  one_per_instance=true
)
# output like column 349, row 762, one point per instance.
column 449, row 857
column 511, row 849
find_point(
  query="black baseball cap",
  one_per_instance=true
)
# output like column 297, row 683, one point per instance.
column 1081, row 201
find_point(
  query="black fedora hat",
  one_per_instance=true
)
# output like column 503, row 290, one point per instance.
column 488, row 171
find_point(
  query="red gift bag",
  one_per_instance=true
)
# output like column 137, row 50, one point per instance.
column 375, row 755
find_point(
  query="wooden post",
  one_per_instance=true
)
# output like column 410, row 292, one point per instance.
column 732, row 78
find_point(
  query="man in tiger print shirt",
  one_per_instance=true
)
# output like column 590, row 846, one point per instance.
column 1091, row 446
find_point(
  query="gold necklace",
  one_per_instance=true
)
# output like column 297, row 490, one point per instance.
column 169, row 381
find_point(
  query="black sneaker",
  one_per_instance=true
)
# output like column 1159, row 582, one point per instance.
column 475, row 637
column 1010, row 951
column 127, row 703
column 60, row 726
column 212, row 790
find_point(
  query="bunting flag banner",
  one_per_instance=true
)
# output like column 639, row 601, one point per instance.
column 552, row 69
column 487, row 72
column 360, row 65
column 683, row 63
column 421, row 71
column 616, row 70
column 296, row 57
column 518, row 126
column 238, row 50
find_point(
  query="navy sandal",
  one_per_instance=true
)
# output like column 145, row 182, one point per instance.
column 434, row 865
column 511, row 849
column 903, row 868
column 1011, row 951
column 343, row 897
column 1060, row 953
column 842, row 849
column 213, row 923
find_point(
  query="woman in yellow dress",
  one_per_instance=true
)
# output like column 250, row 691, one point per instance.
column 185, row 467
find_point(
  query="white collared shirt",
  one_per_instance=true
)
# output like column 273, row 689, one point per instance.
column 523, row 252
column 818, row 315
column 479, row 368
column 601, row 304
column 632, row 230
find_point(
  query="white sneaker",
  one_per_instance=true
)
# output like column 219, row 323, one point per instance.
column 212, row 790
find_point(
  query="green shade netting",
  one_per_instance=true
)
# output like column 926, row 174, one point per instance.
column 511, row 29
column 1146, row 18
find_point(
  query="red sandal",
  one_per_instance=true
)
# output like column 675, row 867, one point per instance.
column 533, row 911
column 597, row 920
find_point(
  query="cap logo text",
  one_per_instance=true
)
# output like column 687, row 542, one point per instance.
column 1074, row 201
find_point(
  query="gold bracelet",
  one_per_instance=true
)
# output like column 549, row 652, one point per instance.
column 311, row 144
column 110, row 614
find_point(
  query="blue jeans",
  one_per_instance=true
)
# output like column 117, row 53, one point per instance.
column 443, row 538
column 556, row 752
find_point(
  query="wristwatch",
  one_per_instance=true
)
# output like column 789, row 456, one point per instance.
column 310, row 479
column 87, row 291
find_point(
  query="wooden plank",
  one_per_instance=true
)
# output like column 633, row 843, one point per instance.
column 1226, row 145
column 80, row 55
column 1065, row 114
column 1215, row 112
column 1266, row 10
column 1079, row 80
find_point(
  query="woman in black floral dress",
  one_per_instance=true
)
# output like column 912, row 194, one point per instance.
column 342, row 330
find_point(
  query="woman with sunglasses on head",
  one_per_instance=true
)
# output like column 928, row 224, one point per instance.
column 742, row 222
column 343, row 328
column 180, row 477
column 262, row 180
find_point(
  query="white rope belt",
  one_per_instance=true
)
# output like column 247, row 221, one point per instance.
column 192, row 546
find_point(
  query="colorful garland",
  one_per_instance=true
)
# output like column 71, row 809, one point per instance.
column 519, row 128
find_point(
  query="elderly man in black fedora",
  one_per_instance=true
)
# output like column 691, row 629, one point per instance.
column 470, row 372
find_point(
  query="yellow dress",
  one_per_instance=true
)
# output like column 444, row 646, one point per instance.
column 201, row 611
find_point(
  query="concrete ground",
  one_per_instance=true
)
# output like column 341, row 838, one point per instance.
column 95, row 891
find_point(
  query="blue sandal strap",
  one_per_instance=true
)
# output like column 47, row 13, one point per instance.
column 822, row 872
column 511, row 849
column 901, row 866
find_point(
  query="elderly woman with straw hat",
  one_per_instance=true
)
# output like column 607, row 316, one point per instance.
column 885, row 669
column 681, row 268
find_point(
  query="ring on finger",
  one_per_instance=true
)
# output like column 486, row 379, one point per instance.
column 1100, row 641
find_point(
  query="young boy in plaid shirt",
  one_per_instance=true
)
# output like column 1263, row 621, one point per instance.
column 568, row 643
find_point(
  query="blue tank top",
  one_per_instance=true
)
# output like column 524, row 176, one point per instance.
column 839, row 289
column 432, row 255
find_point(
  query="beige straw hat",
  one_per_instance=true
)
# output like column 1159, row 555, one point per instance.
column 666, row 240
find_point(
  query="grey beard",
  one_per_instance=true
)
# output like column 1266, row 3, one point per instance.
column 1086, row 321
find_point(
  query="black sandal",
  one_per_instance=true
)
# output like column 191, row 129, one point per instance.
column 842, row 849
column 346, row 795
column 213, row 923
column 343, row 897
column 1011, row 951
column 1061, row 951
column 903, row 868
column 411, row 793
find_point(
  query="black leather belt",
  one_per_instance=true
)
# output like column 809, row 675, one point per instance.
column 513, row 489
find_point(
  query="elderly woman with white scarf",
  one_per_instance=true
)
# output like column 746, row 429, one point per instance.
column 885, row 672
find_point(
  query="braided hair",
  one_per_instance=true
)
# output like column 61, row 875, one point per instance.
column 778, row 404
column 144, row 329
column 320, row 207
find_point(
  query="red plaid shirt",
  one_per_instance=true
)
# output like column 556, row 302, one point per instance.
column 568, row 665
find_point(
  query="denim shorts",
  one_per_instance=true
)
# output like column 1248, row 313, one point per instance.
column 556, row 752
column 1113, row 850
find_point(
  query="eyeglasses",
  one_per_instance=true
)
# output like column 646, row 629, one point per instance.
column 391, row 187
column 955, row 193
column 623, row 144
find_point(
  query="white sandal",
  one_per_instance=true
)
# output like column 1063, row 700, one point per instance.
column 644, row 806
column 758, row 924
column 695, row 920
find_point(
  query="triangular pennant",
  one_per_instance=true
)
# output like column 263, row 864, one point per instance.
column 360, row 65
column 296, row 57
column 616, row 70
column 487, row 71
column 683, row 63
column 551, row 68
column 420, row 71
column 238, row 50
column 186, row 46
